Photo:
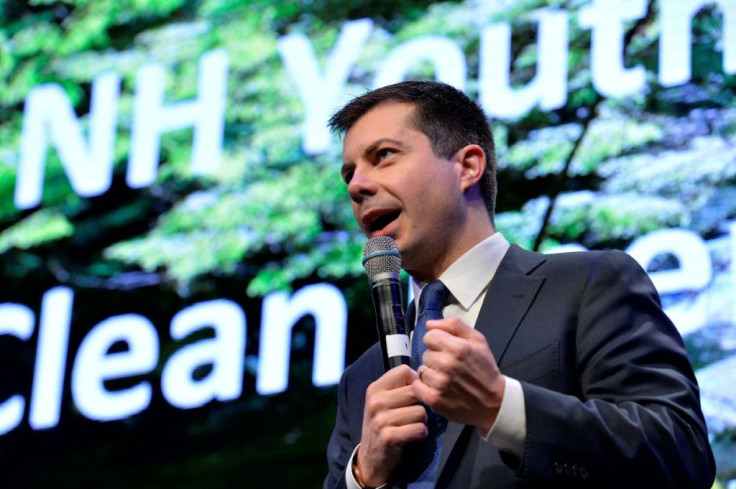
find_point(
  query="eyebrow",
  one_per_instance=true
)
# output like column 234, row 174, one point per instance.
column 374, row 146
column 380, row 142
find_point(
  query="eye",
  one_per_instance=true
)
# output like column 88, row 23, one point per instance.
column 384, row 153
column 347, row 174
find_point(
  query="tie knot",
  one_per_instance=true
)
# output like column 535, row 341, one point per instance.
column 433, row 296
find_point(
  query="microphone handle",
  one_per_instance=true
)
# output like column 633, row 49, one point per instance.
column 392, row 333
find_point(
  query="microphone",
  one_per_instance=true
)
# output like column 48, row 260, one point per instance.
column 382, row 262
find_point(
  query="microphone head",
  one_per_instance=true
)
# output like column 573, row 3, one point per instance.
column 380, row 255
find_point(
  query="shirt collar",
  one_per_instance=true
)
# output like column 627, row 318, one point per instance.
column 470, row 274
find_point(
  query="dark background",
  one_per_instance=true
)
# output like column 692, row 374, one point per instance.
column 277, row 219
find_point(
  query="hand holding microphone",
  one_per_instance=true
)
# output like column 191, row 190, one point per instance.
column 392, row 416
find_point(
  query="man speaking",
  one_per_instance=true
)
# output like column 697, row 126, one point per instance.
column 529, row 370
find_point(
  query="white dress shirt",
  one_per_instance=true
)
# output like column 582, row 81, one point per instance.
column 468, row 279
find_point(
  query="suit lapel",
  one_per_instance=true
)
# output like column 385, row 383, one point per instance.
column 509, row 297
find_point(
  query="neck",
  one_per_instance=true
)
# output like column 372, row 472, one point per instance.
column 475, row 231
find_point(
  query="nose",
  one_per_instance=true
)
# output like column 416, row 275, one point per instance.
column 361, row 186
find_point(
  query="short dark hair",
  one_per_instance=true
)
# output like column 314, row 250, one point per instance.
column 448, row 117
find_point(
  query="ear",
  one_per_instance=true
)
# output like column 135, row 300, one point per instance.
column 472, row 163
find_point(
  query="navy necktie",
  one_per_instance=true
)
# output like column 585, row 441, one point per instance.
column 427, row 456
column 431, row 300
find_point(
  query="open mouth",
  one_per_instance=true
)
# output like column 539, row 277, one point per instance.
column 382, row 221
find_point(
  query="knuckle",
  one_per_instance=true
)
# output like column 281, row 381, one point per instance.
column 420, row 414
column 402, row 370
column 480, row 337
column 389, row 436
column 380, row 423
column 441, row 382
column 373, row 405
column 463, row 350
column 445, row 363
column 456, row 325
column 432, row 399
column 373, row 387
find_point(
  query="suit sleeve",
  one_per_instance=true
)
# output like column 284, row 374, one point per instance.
column 341, row 445
column 636, row 421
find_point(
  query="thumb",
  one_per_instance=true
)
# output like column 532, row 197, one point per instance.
column 454, row 326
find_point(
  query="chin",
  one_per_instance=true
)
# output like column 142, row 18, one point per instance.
column 407, row 256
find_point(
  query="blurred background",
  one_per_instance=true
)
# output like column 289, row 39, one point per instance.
column 181, row 281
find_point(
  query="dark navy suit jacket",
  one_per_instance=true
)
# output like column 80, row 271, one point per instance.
column 610, row 397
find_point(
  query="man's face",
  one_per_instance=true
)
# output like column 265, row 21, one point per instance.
column 400, row 188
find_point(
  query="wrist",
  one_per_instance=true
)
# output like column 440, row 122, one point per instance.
column 357, row 475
